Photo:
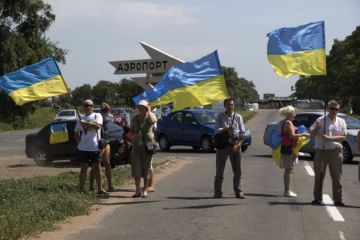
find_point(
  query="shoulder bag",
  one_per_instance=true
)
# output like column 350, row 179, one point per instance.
column 224, row 139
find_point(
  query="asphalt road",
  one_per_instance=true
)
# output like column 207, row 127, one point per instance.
column 183, row 208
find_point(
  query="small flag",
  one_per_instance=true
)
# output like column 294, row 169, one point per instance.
column 58, row 133
column 189, row 84
column 298, row 50
column 34, row 82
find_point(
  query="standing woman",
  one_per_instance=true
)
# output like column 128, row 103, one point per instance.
column 288, row 142
column 142, row 129
column 105, row 152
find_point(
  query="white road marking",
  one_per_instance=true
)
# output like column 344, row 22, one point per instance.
column 331, row 209
column 341, row 235
column 329, row 204
column 309, row 169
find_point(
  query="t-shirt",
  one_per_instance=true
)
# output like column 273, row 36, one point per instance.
column 338, row 128
column 89, row 141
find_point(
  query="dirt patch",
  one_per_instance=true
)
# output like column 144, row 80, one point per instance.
column 22, row 167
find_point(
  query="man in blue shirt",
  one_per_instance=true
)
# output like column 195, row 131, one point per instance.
column 233, row 123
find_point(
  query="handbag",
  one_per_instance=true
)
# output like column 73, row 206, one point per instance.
column 151, row 148
column 286, row 149
column 224, row 139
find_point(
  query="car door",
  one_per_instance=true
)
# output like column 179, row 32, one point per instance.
column 307, row 120
column 190, row 134
column 174, row 131
column 67, row 148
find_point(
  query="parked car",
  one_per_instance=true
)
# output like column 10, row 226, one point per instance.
column 66, row 114
column 191, row 127
column 39, row 148
column 307, row 119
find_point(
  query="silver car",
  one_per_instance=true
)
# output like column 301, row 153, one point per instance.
column 66, row 114
column 307, row 119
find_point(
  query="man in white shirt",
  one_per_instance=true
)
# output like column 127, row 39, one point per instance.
column 329, row 132
column 87, row 135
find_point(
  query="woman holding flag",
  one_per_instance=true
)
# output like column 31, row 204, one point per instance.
column 289, row 138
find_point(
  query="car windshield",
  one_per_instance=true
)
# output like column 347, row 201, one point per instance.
column 351, row 123
column 206, row 117
column 66, row 113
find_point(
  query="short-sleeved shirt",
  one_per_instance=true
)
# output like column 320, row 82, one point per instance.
column 338, row 128
column 223, row 121
column 89, row 141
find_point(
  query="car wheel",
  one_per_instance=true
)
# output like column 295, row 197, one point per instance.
column 164, row 143
column 196, row 148
column 347, row 155
column 206, row 144
column 41, row 157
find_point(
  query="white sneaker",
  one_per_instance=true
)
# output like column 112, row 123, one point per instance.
column 290, row 194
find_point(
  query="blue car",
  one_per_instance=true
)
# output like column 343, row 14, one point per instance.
column 191, row 127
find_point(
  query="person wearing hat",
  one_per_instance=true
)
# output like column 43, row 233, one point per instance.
column 105, row 152
column 87, row 131
column 142, row 129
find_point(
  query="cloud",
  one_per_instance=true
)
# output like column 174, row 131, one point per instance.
column 124, row 13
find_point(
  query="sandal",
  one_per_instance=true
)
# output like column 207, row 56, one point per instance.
column 102, row 192
column 136, row 195
column 145, row 194
column 151, row 189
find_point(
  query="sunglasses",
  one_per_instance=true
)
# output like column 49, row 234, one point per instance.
column 88, row 105
column 334, row 109
column 104, row 110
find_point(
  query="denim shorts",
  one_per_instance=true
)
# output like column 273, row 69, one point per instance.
column 89, row 157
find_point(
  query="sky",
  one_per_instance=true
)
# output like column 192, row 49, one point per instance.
column 98, row 31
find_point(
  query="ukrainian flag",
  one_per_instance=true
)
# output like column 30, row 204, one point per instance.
column 34, row 82
column 189, row 84
column 298, row 50
column 58, row 133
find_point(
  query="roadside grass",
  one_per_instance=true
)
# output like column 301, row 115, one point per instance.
column 39, row 118
column 247, row 115
column 31, row 206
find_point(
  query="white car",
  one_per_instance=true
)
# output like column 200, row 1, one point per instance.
column 66, row 114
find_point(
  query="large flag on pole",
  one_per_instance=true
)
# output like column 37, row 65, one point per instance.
column 34, row 82
column 189, row 84
column 298, row 50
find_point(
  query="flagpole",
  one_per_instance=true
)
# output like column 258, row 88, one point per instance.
column 71, row 96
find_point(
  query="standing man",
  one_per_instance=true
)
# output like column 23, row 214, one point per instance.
column 329, row 132
column 87, row 135
column 232, row 122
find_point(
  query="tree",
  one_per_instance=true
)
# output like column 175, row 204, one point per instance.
column 23, row 24
column 239, row 88
column 81, row 93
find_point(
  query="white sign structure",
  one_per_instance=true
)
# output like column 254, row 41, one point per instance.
column 158, row 63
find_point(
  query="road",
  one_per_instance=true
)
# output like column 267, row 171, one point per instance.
column 183, row 208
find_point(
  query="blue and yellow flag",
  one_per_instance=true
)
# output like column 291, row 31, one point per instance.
column 298, row 50
column 58, row 133
column 34, row 82
column 189, row 84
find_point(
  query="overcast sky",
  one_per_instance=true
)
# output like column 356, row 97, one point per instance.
column 98, row 31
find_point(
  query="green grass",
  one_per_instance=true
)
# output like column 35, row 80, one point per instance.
column 247, row 115
column 39, row 118
column 30, row 206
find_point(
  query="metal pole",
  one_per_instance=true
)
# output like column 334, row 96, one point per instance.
column 77, row 111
